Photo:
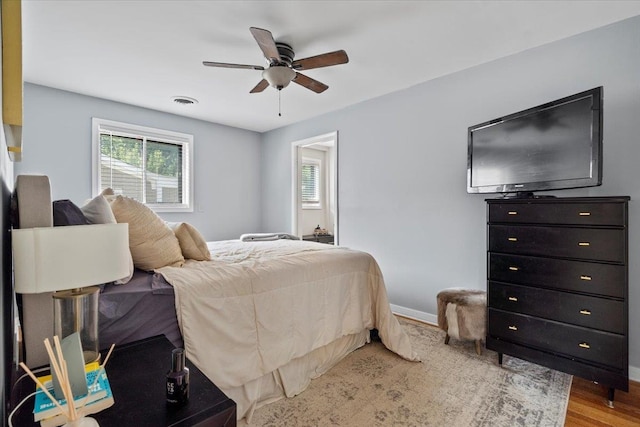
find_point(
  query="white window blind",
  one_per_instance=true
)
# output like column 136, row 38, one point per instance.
column 310, row 183
column 149, row 165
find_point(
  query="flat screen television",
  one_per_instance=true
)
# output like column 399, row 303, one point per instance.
column 557, row 145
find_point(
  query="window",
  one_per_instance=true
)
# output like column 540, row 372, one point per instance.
column 311, row 184
column 152, row 166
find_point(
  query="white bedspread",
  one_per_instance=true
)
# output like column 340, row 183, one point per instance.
column 258, row 305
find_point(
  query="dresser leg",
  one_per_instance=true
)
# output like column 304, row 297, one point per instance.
column 500, row 359
column 610, row 397
column 446, row 339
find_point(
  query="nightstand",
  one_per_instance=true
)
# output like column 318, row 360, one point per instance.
column 320, row 238
column 136, row 373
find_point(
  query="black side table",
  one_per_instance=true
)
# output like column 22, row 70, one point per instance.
column 320, row 238
column 136, row 372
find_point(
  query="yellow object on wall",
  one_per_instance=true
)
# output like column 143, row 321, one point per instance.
column 12, row 83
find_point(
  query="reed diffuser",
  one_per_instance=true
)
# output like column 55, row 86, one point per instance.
column 73, row 414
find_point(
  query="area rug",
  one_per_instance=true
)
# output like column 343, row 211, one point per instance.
column 452, row 386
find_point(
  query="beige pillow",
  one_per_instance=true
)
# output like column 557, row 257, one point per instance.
column 151, row 241
column 191, row 241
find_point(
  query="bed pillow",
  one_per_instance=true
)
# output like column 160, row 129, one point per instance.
column 192, row 244
column 98, row 211
column 151, row 241
column 65, row 212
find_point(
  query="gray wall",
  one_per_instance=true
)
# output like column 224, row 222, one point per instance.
column 402, row 163
column 57, row 143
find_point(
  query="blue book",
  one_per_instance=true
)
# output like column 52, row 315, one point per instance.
column 100, row 397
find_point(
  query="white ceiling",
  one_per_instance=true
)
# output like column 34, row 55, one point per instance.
column 145, row 52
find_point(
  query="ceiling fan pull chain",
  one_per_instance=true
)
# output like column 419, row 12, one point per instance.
column 279, row 103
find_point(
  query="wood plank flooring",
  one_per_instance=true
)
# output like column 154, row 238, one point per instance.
column 587, row 406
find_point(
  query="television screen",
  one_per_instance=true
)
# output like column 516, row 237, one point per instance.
column 556, row 145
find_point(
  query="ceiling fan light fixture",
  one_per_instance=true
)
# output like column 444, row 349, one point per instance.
column 279, row 76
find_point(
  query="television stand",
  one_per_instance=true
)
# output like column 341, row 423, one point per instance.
column 528, row 195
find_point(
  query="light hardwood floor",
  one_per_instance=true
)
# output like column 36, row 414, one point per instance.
column 587, row 406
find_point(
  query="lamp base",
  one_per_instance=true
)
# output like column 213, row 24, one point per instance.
column 76, row 310
column 82, row 422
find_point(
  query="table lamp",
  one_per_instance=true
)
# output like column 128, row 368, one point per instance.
column 70, row 261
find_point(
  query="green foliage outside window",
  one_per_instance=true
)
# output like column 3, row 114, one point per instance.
column 163, row 159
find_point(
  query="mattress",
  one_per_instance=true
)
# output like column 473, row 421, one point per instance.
column 142, row 308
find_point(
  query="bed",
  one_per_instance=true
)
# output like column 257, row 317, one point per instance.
column 261, row 319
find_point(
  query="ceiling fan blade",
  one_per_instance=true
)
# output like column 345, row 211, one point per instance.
column 260, row 86
column 319, row 61
column 310, row 83
column 225, row 65
column 266, row 43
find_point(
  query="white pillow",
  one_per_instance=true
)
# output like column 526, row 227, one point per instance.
column 151, row 241
column 192, row 244
column 98, row 211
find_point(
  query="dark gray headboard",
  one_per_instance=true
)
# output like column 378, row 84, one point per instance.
column 32, row 196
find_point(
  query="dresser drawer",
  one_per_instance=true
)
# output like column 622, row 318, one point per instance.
column 613, row 214
column 581, row 276
column 591, row 312
column 582, row 243
column 599, row 347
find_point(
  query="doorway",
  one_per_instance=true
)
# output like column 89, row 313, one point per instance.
column 315, row 185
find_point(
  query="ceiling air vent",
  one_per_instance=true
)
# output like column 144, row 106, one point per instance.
column 184, row 100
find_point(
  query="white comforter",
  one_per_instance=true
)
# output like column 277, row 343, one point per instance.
column 258, row 305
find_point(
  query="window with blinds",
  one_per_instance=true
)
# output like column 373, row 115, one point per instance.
column 310, row 183
column 152, row 166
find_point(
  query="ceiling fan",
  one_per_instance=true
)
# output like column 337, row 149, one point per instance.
column 282, row 69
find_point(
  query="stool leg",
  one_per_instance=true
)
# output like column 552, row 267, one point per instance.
column 446, row 340
column 478, row 347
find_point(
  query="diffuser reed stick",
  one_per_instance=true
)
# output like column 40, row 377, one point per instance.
column 95, row 381
column 39, row 384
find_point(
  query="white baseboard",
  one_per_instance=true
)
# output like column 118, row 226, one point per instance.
column 415, row 314
column 634, row 372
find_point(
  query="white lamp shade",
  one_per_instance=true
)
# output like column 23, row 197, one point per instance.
column 48, row 259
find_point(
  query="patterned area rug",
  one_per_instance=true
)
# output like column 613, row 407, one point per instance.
column 452, row 386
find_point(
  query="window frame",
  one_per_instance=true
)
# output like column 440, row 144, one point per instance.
column 158, row 135
column 317, row 163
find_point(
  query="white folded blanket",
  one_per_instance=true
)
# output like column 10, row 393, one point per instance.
column 265, row 237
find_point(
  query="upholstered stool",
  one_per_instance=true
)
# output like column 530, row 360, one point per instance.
column 462, row 315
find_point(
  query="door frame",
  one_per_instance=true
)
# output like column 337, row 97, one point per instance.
column 331, row 139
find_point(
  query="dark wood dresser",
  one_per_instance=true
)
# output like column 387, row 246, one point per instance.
column 558, row 285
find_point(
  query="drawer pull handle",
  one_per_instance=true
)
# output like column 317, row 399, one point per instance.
column 583, row 243
column 585, row 312
column 514, row 268
column 512, row 239
column 513, row 299
column 585, row 214
column 513, row 328
column 512, row 213
column 585, row 278
column 584, row 345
